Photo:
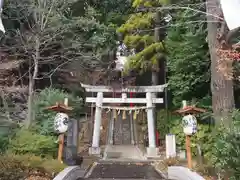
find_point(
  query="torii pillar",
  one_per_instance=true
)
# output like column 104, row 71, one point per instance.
column 152, row 150
column 95, row 149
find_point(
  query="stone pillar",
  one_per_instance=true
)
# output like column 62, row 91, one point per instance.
column 95, row 149
column 170, row 146
column 152, row 151
column 72, row 143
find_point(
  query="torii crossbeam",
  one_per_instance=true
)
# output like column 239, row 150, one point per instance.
column 149, row 101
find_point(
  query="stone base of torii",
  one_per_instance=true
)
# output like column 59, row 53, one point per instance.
column 150, row 101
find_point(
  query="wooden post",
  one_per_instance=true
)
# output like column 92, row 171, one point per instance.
column 60, row 147
column 61, row 139
column 188, row 149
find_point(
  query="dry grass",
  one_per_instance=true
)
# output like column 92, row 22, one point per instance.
column 28, row 167
column 204, row 170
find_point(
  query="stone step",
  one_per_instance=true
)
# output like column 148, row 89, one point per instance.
column 123, row 170
column 112, row 179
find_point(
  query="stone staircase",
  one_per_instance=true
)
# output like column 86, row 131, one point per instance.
column 124, row 170
column 123, row 153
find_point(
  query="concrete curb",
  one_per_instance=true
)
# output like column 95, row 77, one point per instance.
column 161, row 173
column 182, row 173
column 71, row 173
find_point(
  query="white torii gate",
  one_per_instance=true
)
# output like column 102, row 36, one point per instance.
column 100, row 100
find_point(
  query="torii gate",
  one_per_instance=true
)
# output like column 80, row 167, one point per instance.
column 100, row 100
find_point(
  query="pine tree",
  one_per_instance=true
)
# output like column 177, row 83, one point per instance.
column 138, row 34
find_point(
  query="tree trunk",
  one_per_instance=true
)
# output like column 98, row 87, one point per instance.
column 222, row 88
column 155, row 68
column 30, row 101
column 32, row 78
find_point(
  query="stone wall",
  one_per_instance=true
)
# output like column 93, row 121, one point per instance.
column 86, row 130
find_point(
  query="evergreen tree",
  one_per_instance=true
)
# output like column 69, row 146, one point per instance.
column 188, row 57
column 138, row 34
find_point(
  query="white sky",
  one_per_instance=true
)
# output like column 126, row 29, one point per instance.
column 231, row 12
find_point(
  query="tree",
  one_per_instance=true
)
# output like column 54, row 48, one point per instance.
column 142, row 34
column 188, row 57
column 112, row 13
column 138, row 34
column 50, row 33
column 221, row 87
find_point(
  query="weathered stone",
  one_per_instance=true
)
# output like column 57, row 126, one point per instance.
column 71, row 173
column 71, row 148
column 182, row 173
column 152, row 152
column 95, row 151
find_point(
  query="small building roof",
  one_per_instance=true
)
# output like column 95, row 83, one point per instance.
column 190, row 109
column 60, row 108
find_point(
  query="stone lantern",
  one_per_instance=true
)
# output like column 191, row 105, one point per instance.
column 189, row 122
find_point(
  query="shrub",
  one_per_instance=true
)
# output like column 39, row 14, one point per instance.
column 49, row 97
column 203, row 137
column 11, row 169
column 14, row 167
column 162, row 122
column 227, row 149
column 27, row 141
column 7, row 130
column 4, row 140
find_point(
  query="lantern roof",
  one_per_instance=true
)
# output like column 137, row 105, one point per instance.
column 59, row 107
column 190, row 110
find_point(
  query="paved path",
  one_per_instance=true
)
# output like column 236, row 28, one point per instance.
column 123, row 170
column 123, row 153
column 123, row 162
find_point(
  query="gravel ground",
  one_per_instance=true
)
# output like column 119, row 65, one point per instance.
column 124, row 171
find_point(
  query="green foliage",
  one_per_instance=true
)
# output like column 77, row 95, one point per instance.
column 29, row 142
column 147, row 57
column 164, row 121
column 14, row 167
column 203, row 137
column 138, row 33
column 137, row 41
column 137, row 22
column 152, row 3
column 227, row 149
column 7, row 130
column 4, row 140
column 48, row 97
column 188, row 62
column 111, row 12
